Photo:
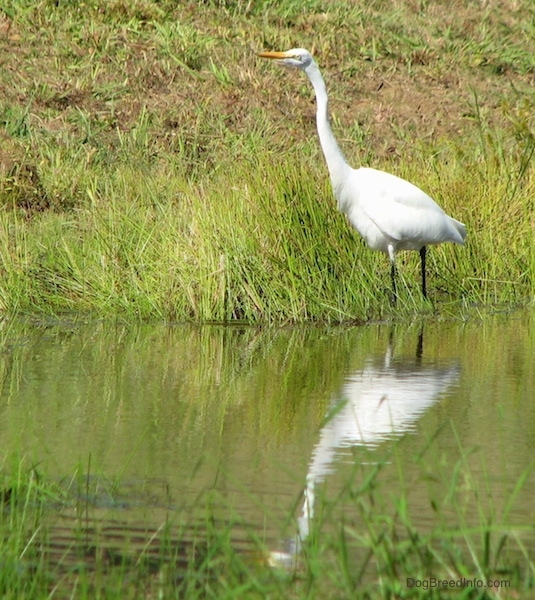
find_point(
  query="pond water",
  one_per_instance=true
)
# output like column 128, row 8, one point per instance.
column 254, row 424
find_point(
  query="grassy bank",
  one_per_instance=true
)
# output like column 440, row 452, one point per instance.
column 79, row 538
column 153, row 168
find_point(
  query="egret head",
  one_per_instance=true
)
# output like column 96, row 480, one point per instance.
column 297, row 57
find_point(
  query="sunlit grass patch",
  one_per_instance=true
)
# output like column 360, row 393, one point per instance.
column 264, row 242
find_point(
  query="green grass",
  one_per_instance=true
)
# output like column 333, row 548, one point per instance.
column 153, row 168
column 272, row 247
column 55, row 542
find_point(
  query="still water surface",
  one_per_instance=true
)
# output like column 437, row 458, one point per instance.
column 256, row 423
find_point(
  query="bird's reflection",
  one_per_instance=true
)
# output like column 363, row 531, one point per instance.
column 379, row 402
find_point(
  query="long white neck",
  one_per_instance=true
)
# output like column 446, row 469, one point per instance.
column 336, row 162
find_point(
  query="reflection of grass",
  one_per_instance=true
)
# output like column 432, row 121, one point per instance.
column 55, row 542
column 152, row 168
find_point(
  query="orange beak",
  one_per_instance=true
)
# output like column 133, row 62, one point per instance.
column 277, row 55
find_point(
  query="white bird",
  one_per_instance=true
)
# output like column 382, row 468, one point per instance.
column 390, row 213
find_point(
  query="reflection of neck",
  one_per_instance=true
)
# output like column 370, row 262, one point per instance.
column 320, row 466
column 308, row 510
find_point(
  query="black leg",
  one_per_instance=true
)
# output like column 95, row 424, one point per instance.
column 423, row 251
column 420, row 346
column 393, row 279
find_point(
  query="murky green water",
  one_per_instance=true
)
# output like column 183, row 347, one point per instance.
column 235, row 418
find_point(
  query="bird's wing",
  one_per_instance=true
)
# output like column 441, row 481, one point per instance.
column 400, row 210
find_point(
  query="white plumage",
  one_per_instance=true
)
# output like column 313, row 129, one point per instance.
column 390, row 213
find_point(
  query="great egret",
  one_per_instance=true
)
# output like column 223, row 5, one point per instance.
column 390, row 213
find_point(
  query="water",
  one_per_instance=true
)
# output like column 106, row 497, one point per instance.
column 254, row 424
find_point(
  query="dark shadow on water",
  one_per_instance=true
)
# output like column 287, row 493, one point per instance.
column 104, row 531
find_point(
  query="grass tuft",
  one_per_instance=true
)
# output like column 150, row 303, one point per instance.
column 71, row 538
